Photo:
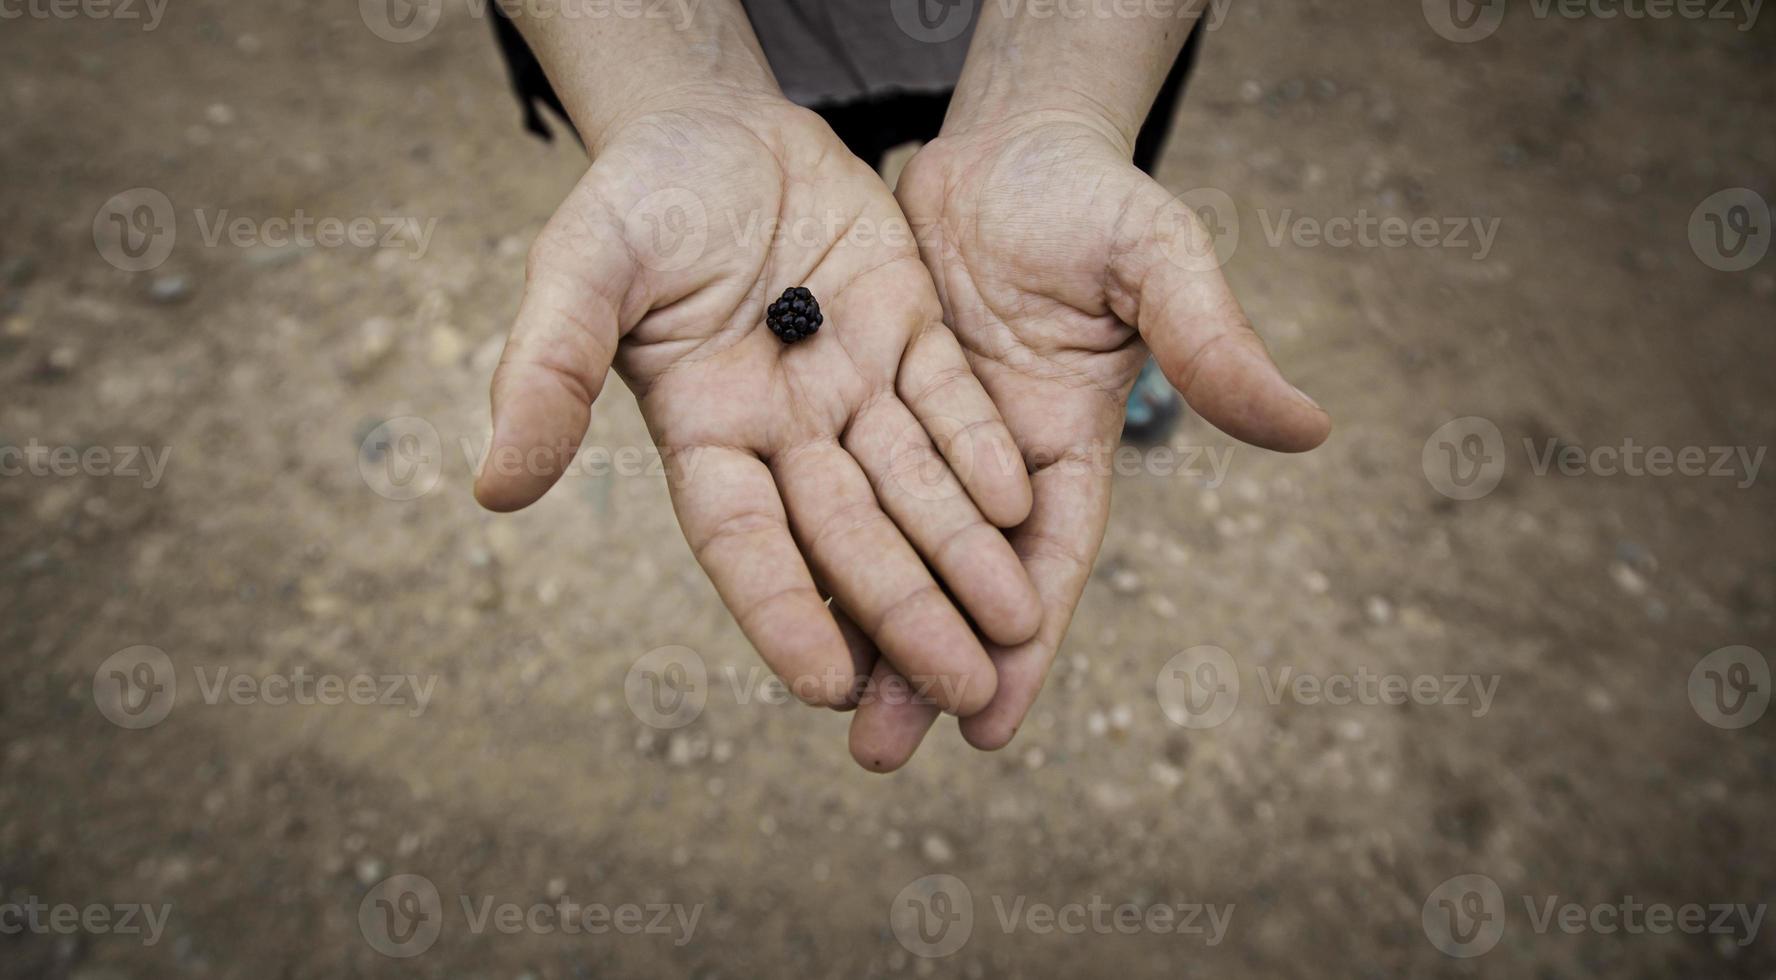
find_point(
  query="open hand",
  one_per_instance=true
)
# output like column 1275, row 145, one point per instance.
column 691, row 220
column 1060, row 264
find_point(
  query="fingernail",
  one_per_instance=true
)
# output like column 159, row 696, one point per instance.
column 487, row 450
column 1306, row 398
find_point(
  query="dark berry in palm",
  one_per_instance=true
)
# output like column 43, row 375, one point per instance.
column 794, row 316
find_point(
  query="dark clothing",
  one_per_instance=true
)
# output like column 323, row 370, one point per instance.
column 871, row 119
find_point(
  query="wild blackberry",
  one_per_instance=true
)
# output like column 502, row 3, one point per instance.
column 794, row 316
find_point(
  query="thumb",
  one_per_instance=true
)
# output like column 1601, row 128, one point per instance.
column 554, row 365
column 1168, row 277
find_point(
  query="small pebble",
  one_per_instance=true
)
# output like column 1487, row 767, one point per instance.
column 369, row 871
column 938, row 850
column 1379, row 610
column 169, row 289
column 1166, row 774
column 62, row 361
column 1627, row 579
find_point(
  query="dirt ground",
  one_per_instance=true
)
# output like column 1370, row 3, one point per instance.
column 518, row 766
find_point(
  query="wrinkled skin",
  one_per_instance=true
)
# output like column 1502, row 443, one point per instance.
column 1060, row 265
column 798, row 471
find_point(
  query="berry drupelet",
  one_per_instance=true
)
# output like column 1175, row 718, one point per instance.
column 794, row 316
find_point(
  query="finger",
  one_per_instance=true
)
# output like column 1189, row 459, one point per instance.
column 917, row 489
column 950, row 403
column 864, row 657
column 735, row 524
column 861, row 648
column 1058, row 545
column 877, row 578
column 1199, row 335
column 891, row 720
column 555, row 362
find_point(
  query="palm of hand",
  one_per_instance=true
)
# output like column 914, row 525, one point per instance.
column 663, row 260
column 1059, row 265
column 1019, row 235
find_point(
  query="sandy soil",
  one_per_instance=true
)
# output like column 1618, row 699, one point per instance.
column 1591, row 775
